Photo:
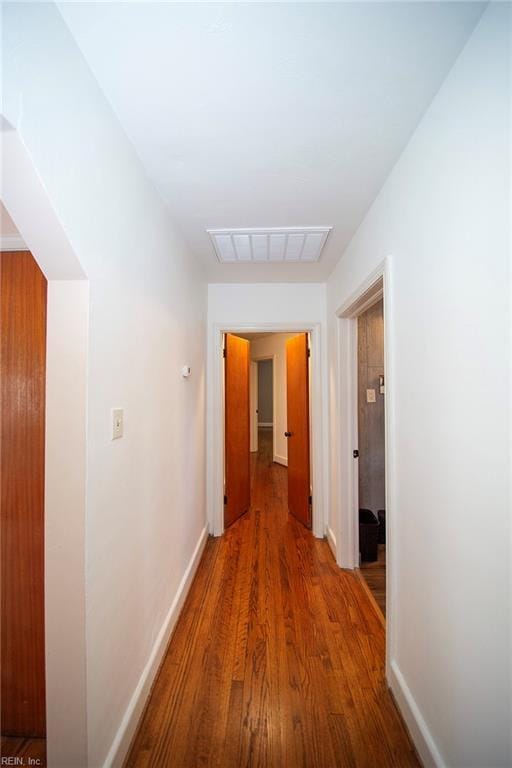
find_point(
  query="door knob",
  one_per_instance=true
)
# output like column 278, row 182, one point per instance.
column 288, row 434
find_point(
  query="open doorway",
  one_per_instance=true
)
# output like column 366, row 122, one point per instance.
column 364, row 439
column 265, row 400
column 371, row 448
column 263, row 391
column 267, row 418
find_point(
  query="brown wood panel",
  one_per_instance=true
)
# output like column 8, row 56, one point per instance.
column 277, row 659
column 22, row 433
column 297, row 403
column 237, row 427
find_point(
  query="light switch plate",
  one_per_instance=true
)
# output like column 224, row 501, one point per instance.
column 370, row 396
column 117, row 423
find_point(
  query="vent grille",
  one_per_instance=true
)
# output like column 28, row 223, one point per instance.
column 275, row 244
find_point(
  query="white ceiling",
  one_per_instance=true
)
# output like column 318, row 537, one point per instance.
column 270, row 114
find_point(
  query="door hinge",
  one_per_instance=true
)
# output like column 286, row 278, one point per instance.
column 225, row 499
column 355, row 454
column 309, row 352
column 224, row 351
column 310, row 500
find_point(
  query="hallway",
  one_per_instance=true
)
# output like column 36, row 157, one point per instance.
column 277, row 658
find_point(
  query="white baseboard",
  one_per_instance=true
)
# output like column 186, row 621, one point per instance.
column 331, row 540
column 265, row 424
column 420, row 734
column 280, row 460
column 126, row 730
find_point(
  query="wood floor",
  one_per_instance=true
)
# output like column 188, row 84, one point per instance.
column 22, row 751
column 375, row 576
column 277, row 658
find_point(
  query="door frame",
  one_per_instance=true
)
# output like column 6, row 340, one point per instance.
column 215, row 415
column 67, row 331
column 258, row 359
column 377, row 284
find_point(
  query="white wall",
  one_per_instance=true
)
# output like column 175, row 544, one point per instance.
column 275, row 346
column 443, row 220
column 145, row 508
column 264, row 303
column 7, row 225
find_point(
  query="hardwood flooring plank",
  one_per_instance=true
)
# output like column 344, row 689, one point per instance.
column 277, row 660
column 27, row 750
column 374, row 575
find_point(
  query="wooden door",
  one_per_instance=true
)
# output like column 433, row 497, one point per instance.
column 237, row 432
column 22, row 434
column 297, row 401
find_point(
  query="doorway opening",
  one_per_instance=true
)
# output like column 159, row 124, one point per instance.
column 371, row 448
column 267, row 418
column 262, row 399
column 364, row 441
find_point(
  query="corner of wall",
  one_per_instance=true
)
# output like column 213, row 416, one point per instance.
column 128, row 727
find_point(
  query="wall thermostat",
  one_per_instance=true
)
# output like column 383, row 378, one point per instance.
column 186, row 371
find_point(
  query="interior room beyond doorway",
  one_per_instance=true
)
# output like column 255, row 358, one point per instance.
column 265, row 403
column 268, row 390
column 277, row 369
column 371, row 446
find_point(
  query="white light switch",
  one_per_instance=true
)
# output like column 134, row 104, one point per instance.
column 370, row 396
column 117, row 423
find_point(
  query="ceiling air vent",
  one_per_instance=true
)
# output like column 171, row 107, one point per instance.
column 274, row 244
